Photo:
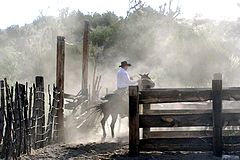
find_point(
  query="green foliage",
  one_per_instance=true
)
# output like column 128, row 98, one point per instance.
column 102, row 36
column 105, row 19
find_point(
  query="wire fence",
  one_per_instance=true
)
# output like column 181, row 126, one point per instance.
column 24, row 123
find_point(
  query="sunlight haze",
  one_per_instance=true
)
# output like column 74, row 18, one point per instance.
column 25, row 11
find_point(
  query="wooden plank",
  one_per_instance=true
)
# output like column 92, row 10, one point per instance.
column 230, row 90
column 231, row 143
column 33, row 119
column 185, row 133
column 231, row 119
column 177, row 144
column 17, row 123
column 40, row 108
column 49, row 120
column 60, row 87
column 85, row 58
column 175, row 95
column 7, row 149
column 186, row 119
column 172, row 95
column 133, row 121
column 26, row 120
column 70, row 96
column 2, row 110
column 234, row 140
column 185, row 144
column 146, row 108
column 179, row 89
column 175, row 120
column 180, row 134
column 231, row 94
column 178, row 112
column 189, row 111
column 30, row 119
column 53, row 120
column 23, row 117
column 217, row 115
column 231, row 147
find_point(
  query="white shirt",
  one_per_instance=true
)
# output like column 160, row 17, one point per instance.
column 123, row 79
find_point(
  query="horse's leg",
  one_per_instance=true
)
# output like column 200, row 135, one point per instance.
column 119, row 125
column 103, row 121
column 114, row 119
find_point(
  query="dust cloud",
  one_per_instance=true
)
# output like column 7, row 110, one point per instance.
column 176, row 53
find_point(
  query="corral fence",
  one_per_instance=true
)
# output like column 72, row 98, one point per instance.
column 24, row 124
column 213, row 138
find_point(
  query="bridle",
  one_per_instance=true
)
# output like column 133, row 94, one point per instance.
column 146, row 80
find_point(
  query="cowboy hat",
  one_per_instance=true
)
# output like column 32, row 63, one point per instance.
column 125, row 63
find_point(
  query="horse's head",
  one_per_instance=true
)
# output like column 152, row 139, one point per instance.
column 145, row 81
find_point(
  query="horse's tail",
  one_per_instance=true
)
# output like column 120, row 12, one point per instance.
column 97, row 109
column 100, row 107
column 93, row 114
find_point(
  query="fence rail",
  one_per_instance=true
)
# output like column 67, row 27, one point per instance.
column 173, row 95
column 172, row 137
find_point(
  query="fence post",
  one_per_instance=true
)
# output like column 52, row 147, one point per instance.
column 146, row 109
column 217, row 114
column 7, row 147
column 60, row 86
column 17, row 123
column 26, row 120
column 21, row 106
column 2, row 109
column 54, row 118
column 30, row 120
column 85, row 59
column 33, row 119
column 133, row 121
column 39, row 104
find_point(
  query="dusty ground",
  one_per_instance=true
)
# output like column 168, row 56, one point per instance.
column 117, row 150
column 107, row 150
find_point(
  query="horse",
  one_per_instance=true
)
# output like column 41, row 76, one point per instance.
column 115, row 105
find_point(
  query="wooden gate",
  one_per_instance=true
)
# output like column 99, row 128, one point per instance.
column 214, row 137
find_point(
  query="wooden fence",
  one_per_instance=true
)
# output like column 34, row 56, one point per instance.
column 213, row 137
column 22, row 117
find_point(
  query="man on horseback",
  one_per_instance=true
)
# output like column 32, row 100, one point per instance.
column 117, row 103
column 123, row 79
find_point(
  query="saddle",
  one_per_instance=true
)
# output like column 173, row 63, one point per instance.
column 108, row 96
column 120, row 92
